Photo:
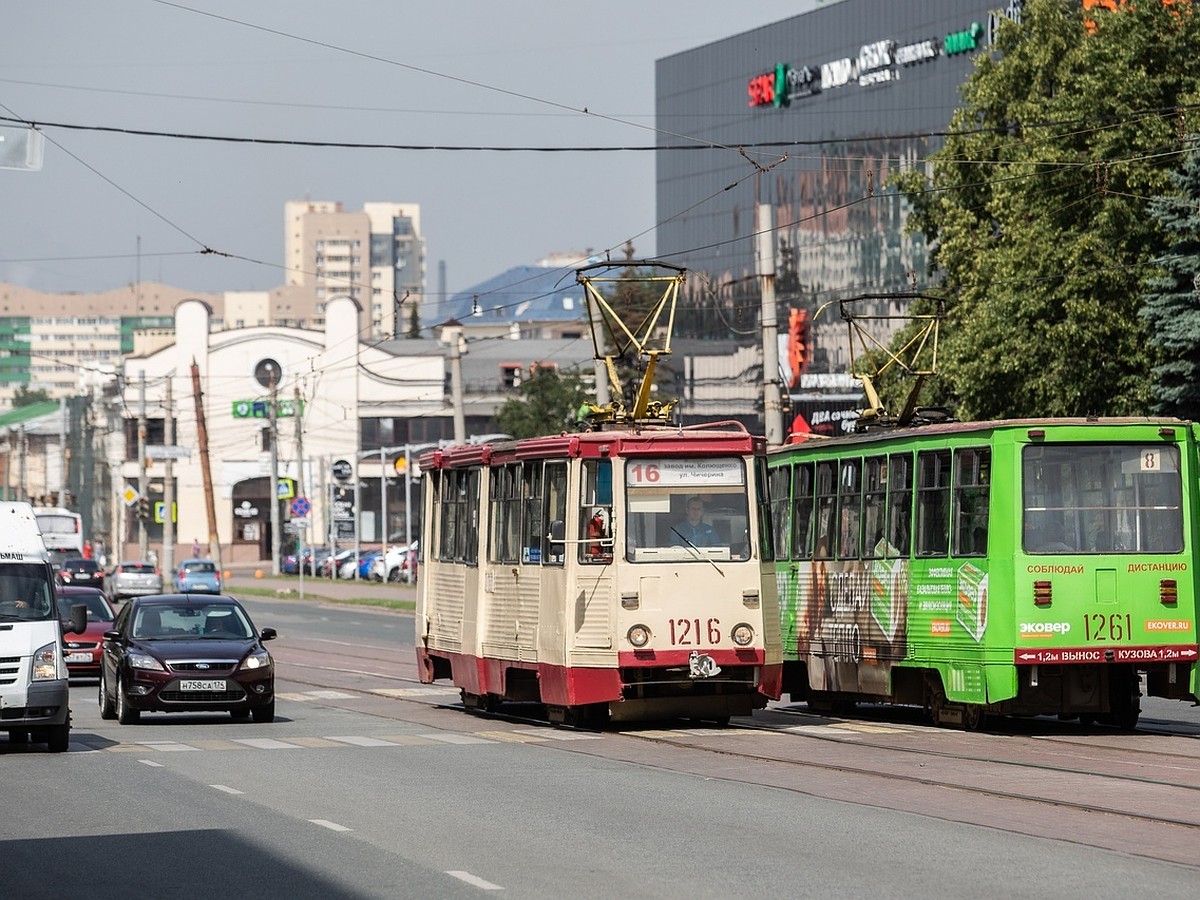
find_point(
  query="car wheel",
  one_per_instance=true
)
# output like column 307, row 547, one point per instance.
column 106, row 705
column 240, row 714
column 125, row 715
column 394, row 575
column 264, row 713
column 58, row 738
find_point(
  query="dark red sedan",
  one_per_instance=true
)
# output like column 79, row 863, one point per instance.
column 186, row 653
column 83, row 650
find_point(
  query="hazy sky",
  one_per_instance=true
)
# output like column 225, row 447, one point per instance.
column 414, row 72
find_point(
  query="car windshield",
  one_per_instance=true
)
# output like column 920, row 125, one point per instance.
column 201, row 566
column 187, row 621
column 26, row 592
column 82, row 565
column 98, row 609
column 138, row 568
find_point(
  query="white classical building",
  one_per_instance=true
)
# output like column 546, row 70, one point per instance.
column 321, row 381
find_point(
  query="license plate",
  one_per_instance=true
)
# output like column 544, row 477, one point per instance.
column 79, row 657
column 194, row 685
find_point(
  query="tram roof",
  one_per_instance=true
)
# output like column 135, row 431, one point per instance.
column 939, row 430
column 709, row 440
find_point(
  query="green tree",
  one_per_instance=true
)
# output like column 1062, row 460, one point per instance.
column 1037, row 213
column 23, row 396
column 414, row 322
column 549, row 403
column 1171, row 302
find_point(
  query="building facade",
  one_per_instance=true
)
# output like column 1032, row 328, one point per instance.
column 828, row 104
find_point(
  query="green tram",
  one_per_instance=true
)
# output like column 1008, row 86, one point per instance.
column 1021, row 567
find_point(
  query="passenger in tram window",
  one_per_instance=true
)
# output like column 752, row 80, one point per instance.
column 694, row 530
column 598, row 534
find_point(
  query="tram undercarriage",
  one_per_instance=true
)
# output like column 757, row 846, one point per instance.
column 1109, row 694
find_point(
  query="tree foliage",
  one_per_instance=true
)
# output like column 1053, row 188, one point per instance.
column 1171, row 302
column 1037, row 210
column 549, row 403
column 23, row 396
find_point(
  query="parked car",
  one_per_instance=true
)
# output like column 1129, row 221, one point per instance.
column 82, row 651
column 397, row 564
column 197, row 576
column 79, row 571
column 290, row 564
column 334, row 562
column 364, row 565
column 185, row 653
column 134, row 579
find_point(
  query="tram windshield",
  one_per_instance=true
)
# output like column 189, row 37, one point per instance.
column 1102, row 499
column 684, row 510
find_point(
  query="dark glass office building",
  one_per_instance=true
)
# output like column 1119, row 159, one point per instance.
column 849, row 91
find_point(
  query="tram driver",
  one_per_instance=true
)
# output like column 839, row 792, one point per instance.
column 693, row 530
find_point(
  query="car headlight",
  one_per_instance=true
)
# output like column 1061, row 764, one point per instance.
column 145, row 661
column 259, row 659
column 45, row 663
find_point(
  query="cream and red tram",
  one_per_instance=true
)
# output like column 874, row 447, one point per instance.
column 559, row 570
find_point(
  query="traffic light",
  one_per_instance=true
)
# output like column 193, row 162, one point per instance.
column 143, row 508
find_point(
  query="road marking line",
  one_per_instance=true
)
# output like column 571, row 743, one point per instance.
column 151, row 763
column 552, row 734
column 415, row 692
column 305, row 696
column 359, row 741
column 332, row 826
column 449, row 737
column 869, row 729
column 512, row 737
column 267, row 744
column 475, row 881
column 314, row 742
column 405, row 740
column 228, row 790
column 166, row 746
column 217, row 745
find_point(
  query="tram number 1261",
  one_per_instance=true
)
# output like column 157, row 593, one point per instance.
column 687, row 631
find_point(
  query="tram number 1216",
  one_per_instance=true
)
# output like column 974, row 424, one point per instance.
column 687, row 632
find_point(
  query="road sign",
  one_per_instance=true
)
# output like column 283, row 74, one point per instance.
column 285, row 489
column 301, row 507
column 296, row 524
column 261, row 409
column 342, row 470
column 130, row 495
column 167, row 451
column 401, row 465
column 160, row 512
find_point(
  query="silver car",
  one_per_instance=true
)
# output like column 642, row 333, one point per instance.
column 134, row 579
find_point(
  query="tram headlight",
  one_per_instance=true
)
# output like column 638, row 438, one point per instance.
column 742, row 634
column 638, row 635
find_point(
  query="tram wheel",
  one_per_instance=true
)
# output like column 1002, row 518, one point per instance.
column 974, row 717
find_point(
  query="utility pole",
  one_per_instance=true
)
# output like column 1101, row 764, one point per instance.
column 214, row 541
column 299, row 535
column 22, row 486
column 765, row 266
column 64, row 453
column 456, row 387
column 167, row 563
column 143, row 487
column 274, row 499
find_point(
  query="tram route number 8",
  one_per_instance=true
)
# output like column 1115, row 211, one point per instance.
column 688, row 632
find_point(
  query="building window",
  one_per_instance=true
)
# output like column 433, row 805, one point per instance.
column 510, row 375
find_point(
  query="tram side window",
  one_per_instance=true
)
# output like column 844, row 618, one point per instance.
column 504, row 545
column 972, row 479
column 899, row 515
column 875, row 474
column 802, row 511
column 532, row 518
column 554, row 521
column 767, row 533
column 826, row 508
column 458, row 510
column 933, row 503
column 595, row 513
column 850, row 508
column 780, row 490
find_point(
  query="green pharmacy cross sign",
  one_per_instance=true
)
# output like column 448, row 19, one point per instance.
column 261, row 409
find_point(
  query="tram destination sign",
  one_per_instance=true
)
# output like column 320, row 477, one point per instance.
column 1084, row 655
column 671, row 472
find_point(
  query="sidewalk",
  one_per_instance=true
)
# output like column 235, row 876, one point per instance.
column 243, row 576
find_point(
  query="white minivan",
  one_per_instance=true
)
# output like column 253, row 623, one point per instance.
column 34, row 702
